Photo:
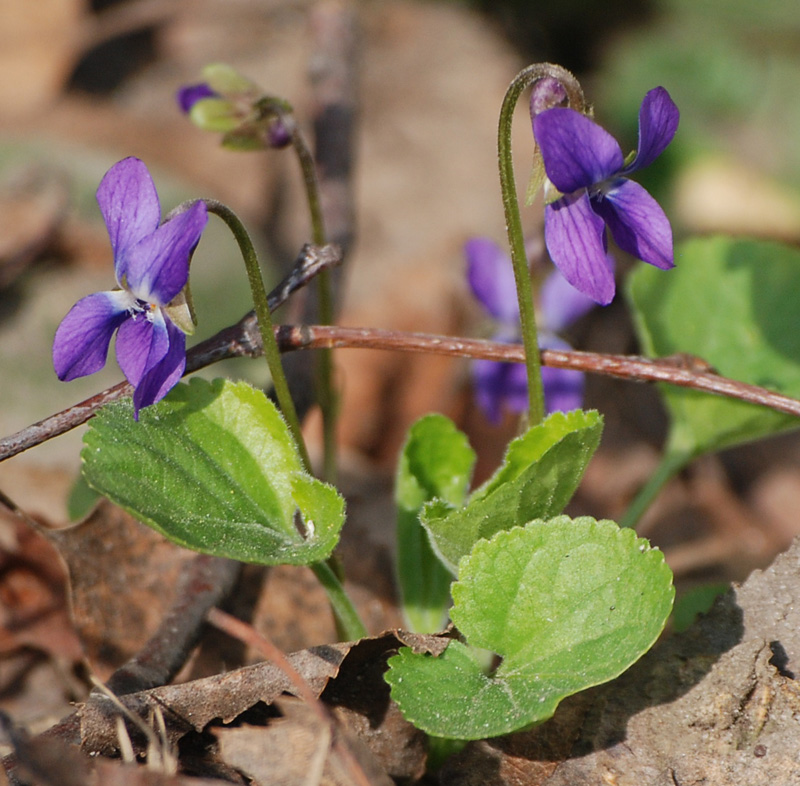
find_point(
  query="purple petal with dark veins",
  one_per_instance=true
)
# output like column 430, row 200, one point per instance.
column 141, row 344
column 81, row 342
column 563, row 387
column 577, row 153
column 129, row 203
column 637, row 223
column 158, row 265
column 160, row 379
column 491, row 277
column 189, row 95
column 658, row 122
column 575, row 238
column 500, row 386
column 561, row 304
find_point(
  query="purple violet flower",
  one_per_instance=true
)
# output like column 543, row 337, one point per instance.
column 501, row 385
column 151, row 266
column 586, row 165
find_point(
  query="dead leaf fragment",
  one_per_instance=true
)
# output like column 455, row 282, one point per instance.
column 122, row 581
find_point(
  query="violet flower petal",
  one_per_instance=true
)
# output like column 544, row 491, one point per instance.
column 158, row 265
column 162, row 377
column 491, row 276
column 575, row 238
column 141, row 344
column 577, row 152
column 560, row 304
column 499, row 385
column 637, row 223
column 189, row 95
column 658, row 122
column 563, row 387
column 81, row 342
column 129, row 203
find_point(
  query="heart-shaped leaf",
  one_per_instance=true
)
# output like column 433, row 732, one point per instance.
column 567, row 604
column 214, row 468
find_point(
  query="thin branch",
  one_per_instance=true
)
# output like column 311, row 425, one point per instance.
column 680, row 370
column 205, row 582
column 242, row 340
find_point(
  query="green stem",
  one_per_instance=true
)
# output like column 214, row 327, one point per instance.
column 516, row 241
column 348, row 623
column 672, row 462
column 271, row 351
column 326, row 395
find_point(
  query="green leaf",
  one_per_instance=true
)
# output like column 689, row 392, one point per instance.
column 539, row 475
column 728, row 302
column 213, row 468
column 567, row 604
column 694, row 602
column 436, row 462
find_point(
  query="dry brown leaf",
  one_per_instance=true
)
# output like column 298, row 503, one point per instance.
column 122, row 580
column 33, row 608
column 224, row 697
column 300, row 749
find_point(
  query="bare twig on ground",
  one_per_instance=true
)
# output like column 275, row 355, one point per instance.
column 204, row 583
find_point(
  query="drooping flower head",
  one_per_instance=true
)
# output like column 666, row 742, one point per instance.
column 500, row 385
column 227, row 102
column 585, row 164
column 151, row 266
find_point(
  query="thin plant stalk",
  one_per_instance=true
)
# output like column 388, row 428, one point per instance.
column 326, row 395
column 671, row 463
column 516, row 241
column 266, row 328
column 348, row 622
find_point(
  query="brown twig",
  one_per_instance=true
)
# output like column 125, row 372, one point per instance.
column 242, row 340
column 204, row 583
column 630, row 367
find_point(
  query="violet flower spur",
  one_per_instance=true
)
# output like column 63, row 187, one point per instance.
column 151, row 266
column 500, row 385
column 586, row 165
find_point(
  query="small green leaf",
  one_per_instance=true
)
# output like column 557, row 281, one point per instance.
column 539, row 475
column 567, row 604
column 725, row 302
column 213, row 468
column 436, row 462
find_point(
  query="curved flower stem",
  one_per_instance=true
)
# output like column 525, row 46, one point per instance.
column 271, row 351
column 326, row 395
column 348, row 622
column 508, row 186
